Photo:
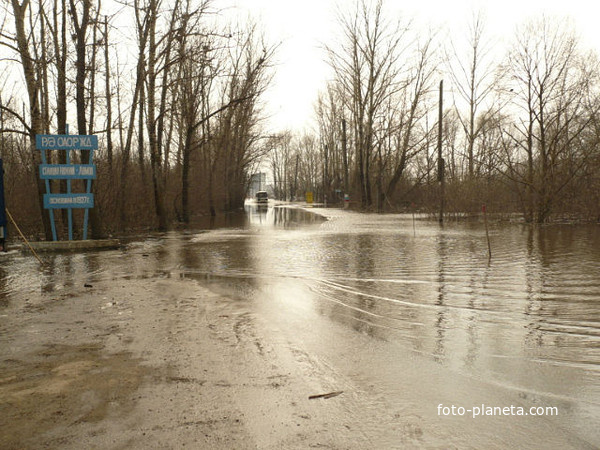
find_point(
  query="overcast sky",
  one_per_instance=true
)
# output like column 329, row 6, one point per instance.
column 302, row 26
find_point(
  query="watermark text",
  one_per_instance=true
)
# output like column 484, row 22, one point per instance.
column 485, row 410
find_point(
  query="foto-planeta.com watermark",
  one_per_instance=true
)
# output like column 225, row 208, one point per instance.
column 483, row 410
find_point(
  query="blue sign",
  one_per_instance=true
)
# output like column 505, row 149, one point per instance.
column 67, row 171
column 65, row 142
column 58, row 201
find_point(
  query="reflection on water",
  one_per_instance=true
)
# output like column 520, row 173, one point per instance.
column 4, row 297
column 528, row 319
column 280, row 217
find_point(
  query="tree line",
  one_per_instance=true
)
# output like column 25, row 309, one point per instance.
column 519, row 127
column 175, row 96
column 178, row 121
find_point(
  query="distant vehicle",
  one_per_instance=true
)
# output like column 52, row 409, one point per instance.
column 262, row 197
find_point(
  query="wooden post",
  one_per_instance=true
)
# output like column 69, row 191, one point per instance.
column 440, row 158
column 487, row 233
column 413, row 217
column 345, row 157
column 325, row 175
column 295, row 179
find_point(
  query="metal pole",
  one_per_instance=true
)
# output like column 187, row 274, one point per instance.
column 88, row 190
column 69, row 210
column 48, row 191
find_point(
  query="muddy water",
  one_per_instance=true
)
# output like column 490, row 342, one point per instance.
column 373, row 295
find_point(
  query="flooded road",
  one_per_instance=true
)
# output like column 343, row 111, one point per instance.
column 401, row 316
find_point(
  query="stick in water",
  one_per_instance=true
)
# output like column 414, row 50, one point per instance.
column 326, row 396
column 23, row 236
column 487, row 233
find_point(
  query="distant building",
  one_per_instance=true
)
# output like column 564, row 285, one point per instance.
column 258, row 182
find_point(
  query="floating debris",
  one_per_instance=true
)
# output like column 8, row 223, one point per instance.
column 325, row 396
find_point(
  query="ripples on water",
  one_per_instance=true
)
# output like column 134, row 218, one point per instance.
column 529, row 317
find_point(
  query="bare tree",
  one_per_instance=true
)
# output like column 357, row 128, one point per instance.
column 81, row 20
column 238, row 133
column 366, row 67
column 280, row 156
column 22, row 44
column 142, row 31
column 472, row 73
column 59, row 38
column 414, row 108
column 549, row 79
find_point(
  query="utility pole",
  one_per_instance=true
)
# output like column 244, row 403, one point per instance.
column 109, row 144
column 295, row 178
column 325, row 175
column 440, row 158
column 345, row 157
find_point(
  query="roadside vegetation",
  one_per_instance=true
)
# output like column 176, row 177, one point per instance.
column 177, row 112
column 520, row 126
column 175, row 97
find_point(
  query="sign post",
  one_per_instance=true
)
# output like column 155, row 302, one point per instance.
column 69, row 172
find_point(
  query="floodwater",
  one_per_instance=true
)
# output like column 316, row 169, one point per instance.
column 414, row 313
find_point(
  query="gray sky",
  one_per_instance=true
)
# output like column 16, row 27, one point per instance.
column 302, row 27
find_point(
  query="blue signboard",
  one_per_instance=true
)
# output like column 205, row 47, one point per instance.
column 67, row 171
column 58, row 201
column 65, row 142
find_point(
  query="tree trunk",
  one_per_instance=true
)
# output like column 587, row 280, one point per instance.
column 34, row 109
column 109, row 143
column 185, row 170
column 80, row 26
column 155, row 160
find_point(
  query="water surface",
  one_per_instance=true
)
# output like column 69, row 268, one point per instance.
column 525, row 322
